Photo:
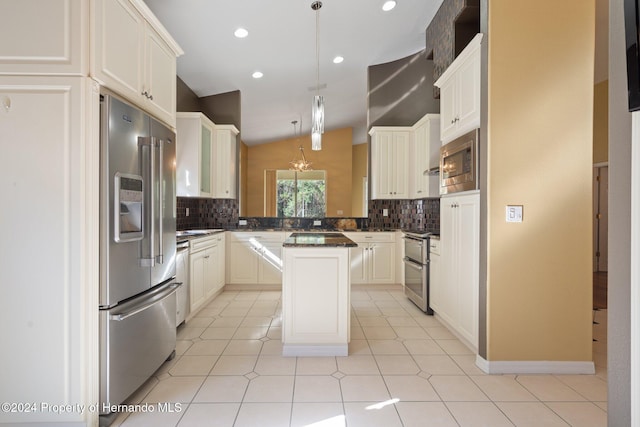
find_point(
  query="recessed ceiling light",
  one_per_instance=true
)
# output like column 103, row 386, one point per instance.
column 388, row 5
column 338, row 59
column 257, row 75
column 241, row 33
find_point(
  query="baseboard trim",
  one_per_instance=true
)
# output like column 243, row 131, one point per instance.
column 301, row 350
column 535, row 367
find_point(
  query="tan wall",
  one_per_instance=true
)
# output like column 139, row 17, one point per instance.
column 359, row 171
column 601, row 122
column 540, row 137
column 335, row 158
column 243, row 179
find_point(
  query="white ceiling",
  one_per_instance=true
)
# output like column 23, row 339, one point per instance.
column 281, row 44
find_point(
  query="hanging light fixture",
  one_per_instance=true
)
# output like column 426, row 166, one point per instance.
column 299, row 164
column 317, row 107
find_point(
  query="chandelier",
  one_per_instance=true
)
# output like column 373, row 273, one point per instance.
column 299, row 164
column 317, row 106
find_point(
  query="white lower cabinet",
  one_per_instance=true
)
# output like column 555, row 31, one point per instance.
column 456, row 293
column 373, row 261
column 49, row 129
column 255, row 258
column 206, row 268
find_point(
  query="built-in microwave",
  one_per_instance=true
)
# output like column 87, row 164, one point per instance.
column 459, row 164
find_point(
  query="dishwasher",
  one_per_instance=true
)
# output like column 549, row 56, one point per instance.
column 182, row 276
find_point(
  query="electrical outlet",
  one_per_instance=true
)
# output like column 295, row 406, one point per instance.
column 340, row 212
column 187, row 212
column 385, row 212
column 242, row 222
column 317, row 222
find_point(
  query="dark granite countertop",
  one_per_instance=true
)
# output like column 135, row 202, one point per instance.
column 316, row 240
column 317, row 230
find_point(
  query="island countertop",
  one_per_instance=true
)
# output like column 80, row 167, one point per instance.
column 317, row 240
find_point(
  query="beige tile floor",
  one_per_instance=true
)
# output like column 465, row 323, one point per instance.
column 404, row 369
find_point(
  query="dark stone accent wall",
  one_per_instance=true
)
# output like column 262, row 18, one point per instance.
column 451, row 29
column 399, row 92
column 422, row 214
column 223, row 108
column 186, row 99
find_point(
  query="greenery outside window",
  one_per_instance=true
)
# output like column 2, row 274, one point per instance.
column 300, row 194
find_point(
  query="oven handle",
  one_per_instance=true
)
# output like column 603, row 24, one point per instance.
column 412, row 264
column 413, row 239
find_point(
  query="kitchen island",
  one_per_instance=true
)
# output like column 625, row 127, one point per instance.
column 316, row 291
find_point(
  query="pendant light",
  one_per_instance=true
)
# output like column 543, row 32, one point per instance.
column 317, row 106
column 299, row 164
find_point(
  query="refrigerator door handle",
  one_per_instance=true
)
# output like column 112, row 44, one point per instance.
column 148, row 302
column 148, row 259
column 160, row 256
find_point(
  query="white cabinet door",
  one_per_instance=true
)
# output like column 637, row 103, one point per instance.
column 468, row 246
column 459, row 239
column 160, row 77
column 194, row 145
column 118, row 47
column 424, row 153
column 448, row 108
column 389, row 157
column 197, row 279
column 435, row 279
column 449, row 278
column 270, row 264
column 44, row 37
column 358, row 264
column 460, row 93
column 225, row 146
column 242, row 262
column 49, row 133
column 129, row 57
column 381, row 262
column 469, row 94
column 373, row 260
column 220, row 265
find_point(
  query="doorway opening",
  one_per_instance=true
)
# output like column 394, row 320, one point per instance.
column 600, row 235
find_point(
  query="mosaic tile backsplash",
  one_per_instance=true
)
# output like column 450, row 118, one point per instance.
column 422, row 214
column 206, row 213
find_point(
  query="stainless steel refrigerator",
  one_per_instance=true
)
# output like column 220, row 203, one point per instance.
column 137, row 248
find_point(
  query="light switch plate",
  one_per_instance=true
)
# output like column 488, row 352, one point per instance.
column 317, row 222
column 385, row 212
column 514, row 213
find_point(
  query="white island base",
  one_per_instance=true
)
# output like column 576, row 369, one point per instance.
column 316, row 301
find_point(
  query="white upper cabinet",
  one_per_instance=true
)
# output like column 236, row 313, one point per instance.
column 389, row 156
column 400, row 155
column 205, row 158
column 460, row 93
column 224, row 161
column 424, row 154
column 194, row 144
column 39, row 37
column 133, row 55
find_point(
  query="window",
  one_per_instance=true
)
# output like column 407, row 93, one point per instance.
column 300, row 194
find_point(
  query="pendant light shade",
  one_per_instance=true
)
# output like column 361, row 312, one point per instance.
column 317, row 122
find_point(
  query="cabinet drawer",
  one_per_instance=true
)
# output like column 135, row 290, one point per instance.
column 434, row 246
column 378, row 237
column 203, row 243
column 271, row 236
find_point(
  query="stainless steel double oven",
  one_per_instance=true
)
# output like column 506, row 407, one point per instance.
column 416, row 268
